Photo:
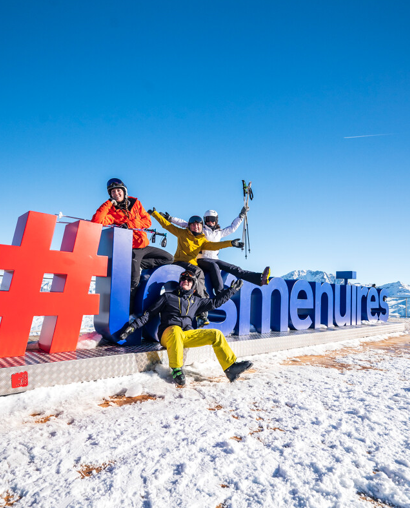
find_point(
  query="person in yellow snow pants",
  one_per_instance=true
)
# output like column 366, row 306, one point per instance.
column 178, row 309
column 175, row 340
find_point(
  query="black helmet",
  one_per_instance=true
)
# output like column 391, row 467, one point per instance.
column 195, row 218
column 116, row 183
column 189, row 275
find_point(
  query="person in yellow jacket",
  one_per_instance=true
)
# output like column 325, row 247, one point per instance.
column 191, row 241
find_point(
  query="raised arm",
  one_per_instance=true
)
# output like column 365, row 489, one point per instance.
column 208, row 304
column 233, row 227
column 166, row 224
column 179, row 222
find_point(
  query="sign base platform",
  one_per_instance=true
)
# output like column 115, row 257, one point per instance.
column 38, row 369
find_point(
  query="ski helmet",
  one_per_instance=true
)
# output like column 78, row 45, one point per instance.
column 195, row 218
column 189, row 275
column 211, row 215
column 116, row 183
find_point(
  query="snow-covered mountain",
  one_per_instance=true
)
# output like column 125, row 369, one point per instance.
column 311, row 276
column 399, row 298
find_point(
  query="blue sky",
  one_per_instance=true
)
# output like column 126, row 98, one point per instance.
column 184, row 99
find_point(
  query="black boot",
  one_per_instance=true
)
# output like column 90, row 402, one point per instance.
column 178, row 376
column 236, row 369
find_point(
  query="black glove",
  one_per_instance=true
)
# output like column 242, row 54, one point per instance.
column 237, row 243
column 128, row 331
column 166, row 216
column 152, row 211
column 243, row 212
column 124, row 226
column 237, row 284
column 113, row 201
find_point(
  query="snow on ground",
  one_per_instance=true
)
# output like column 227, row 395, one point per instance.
column 283, row 436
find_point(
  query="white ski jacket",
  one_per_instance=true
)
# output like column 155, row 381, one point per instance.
column 211, row 235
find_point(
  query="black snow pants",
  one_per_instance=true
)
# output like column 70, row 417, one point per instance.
column 147, row 257
column 214, row 267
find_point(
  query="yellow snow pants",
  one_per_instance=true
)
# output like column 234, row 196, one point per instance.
column 175, row 340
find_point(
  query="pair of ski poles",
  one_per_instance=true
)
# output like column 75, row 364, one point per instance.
column 153, row 231
column 247, row 195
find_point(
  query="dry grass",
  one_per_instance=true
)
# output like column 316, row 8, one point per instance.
column 215, row 408
column 236, row 438
column 8, row 499
column 374, row 501
column 87, row 470
column 122, row 400
column 43, row 419
column 394, row 346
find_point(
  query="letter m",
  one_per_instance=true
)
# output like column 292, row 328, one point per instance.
column 266, row 307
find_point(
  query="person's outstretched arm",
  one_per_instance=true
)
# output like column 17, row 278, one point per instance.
column 166, row 224
column 142, row 320
column 235, row 223
column 178, row 222
column 222, row 245
column 208, row 304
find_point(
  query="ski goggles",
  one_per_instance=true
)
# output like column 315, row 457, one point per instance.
column 194, row 219
column 187, row 276
column 211, row 219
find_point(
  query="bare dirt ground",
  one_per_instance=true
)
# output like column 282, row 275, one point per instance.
column 393, row 346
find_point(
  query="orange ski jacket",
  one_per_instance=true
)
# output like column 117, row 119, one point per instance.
column 137, row 217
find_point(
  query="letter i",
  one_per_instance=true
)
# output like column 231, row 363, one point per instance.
column 354, row 298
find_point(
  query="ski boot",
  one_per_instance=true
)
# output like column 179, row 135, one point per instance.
column 202, row 320
column 178, row 377
column 236, row 369
column 265, row 276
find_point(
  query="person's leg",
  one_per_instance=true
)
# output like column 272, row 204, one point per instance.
column 210, row 266
column 137, row 255
column 154, row 258
column 172, row 339
column 252, row 277
column 214, row 338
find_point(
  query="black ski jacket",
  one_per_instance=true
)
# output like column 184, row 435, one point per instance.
column 178, row 308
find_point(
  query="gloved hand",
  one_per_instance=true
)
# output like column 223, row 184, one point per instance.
column 237, row 243
column 113, row 201
column 243, row 212
column 128, row 331
column 124, row 226
column 166, row 216
column 151, row 211
column 237, row 284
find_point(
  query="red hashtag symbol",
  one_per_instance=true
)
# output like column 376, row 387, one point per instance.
column 26, row 261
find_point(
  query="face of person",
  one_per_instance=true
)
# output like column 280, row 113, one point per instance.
column 196, row 227
column 210, row 222
column 118, row 195
column 186, row 284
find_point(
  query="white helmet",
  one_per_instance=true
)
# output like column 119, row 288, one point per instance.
column 211, row 213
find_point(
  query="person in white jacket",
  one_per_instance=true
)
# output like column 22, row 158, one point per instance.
column 209, row 261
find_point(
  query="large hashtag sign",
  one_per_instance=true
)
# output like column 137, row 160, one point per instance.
column 26, row 261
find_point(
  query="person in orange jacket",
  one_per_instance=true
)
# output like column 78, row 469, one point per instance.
column 127, row 212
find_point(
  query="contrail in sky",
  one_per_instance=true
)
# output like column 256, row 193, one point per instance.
column 366, row 136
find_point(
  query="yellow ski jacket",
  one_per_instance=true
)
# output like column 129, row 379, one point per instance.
column 189, row 245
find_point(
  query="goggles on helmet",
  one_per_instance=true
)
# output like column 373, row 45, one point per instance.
column 195, row 218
